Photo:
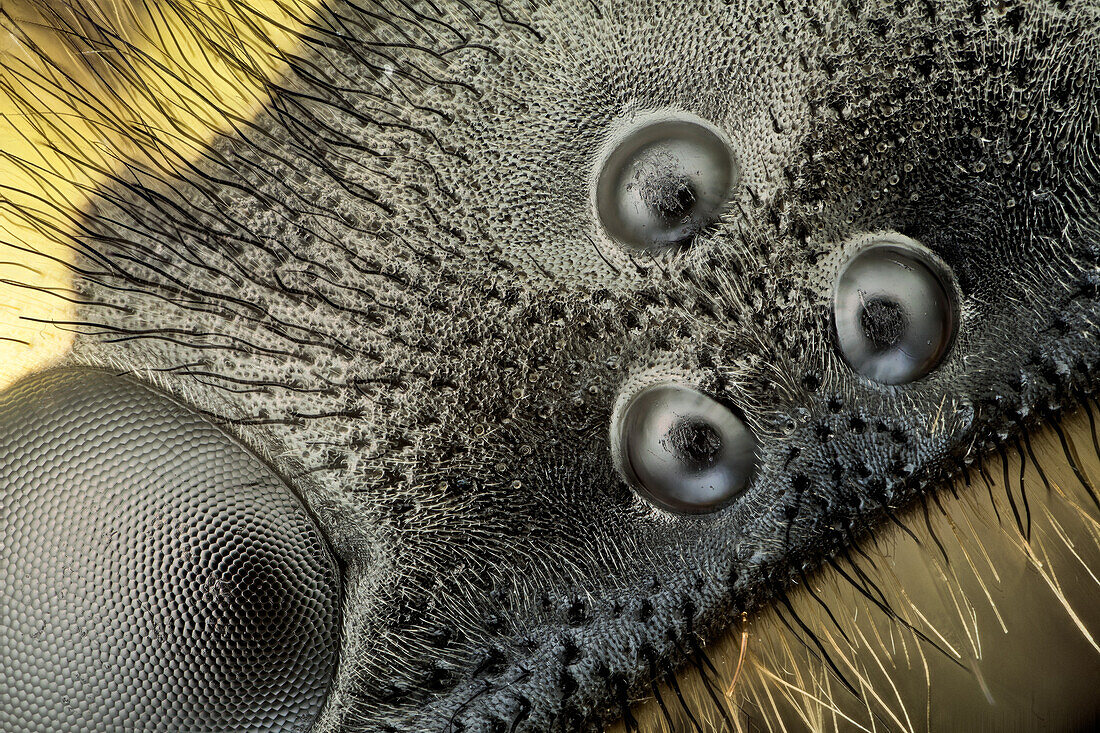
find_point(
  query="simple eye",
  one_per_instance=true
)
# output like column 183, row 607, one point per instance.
column 663, row 183
column 682, row 450
column 895, row 317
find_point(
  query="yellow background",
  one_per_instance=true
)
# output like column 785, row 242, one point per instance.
column 76, row 103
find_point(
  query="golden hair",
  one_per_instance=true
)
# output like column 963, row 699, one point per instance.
column 953, row 604
column 974, row 610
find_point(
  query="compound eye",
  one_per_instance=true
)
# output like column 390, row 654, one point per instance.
column 894, row 313
column 664, row 183
column 155, row 574
column 682, row 450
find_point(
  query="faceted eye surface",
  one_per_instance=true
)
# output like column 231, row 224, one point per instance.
column 683, row 450
column 663, row 183
column 895, row 317
column 155, row 575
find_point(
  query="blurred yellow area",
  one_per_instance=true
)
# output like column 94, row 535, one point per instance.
column 89, row 88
